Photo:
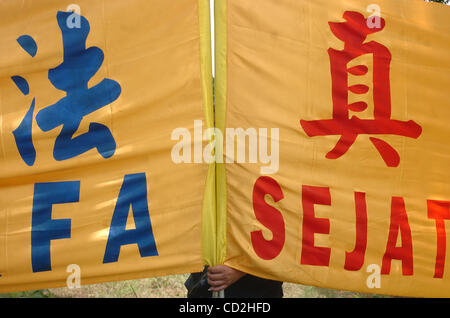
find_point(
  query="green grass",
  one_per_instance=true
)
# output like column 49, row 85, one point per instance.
column 160, row 287
column 301, row 291
column 45, row 293
column 169, row 287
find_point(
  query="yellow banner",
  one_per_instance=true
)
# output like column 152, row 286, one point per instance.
column 344, row 109
column 90, row 97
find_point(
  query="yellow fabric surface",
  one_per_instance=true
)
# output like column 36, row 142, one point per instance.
column 278, row 73
column 159, row 53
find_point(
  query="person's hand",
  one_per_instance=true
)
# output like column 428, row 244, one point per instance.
column 221, row 276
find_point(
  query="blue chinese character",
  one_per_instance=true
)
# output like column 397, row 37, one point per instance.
column 72, row 76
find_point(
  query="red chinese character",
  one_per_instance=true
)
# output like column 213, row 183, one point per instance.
column 353, row 33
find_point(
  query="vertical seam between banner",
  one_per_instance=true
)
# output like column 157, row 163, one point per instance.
column 225, row 205
column 221, row 52
column 208, row 216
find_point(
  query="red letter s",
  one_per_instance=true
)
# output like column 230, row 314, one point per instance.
column 269, row 217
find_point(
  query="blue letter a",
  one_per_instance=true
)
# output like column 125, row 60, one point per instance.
column 134, row 193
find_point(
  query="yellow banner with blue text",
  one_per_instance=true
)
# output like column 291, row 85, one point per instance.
column 323, row 161
column 90, row 97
